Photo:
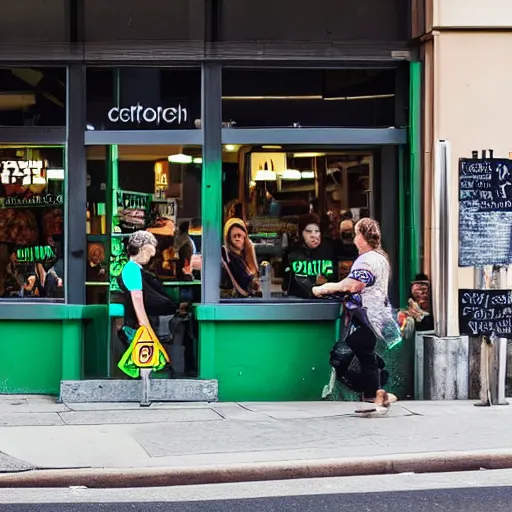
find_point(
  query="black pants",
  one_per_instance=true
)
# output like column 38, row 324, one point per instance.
column 362, row 343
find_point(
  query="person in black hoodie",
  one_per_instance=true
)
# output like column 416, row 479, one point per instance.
column 311, row 258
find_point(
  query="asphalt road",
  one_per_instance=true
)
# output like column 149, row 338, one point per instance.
column 497, row 499
column 479, row 491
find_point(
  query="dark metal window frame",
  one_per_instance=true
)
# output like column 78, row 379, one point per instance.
column 75, row 138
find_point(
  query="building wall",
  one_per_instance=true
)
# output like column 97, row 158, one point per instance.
column 467, row 98
column 471, row 13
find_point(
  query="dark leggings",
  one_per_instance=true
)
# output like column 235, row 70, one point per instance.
column 362, row 342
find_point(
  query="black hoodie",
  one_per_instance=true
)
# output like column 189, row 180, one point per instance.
column 311, row 263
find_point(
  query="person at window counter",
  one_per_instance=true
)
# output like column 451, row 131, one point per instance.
column 311, row 258
column 144, row 296
column 346, row 250
column 239, row 277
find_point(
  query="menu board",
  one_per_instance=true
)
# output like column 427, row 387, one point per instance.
column 132, row 211
column 484, row 312
column 485, row 212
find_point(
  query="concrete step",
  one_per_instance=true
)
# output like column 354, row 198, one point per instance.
column 118, row 390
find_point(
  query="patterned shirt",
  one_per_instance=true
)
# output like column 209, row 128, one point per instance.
column 372, row 269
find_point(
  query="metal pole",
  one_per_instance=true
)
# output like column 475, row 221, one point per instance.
column 145, row 373
column 439, row 252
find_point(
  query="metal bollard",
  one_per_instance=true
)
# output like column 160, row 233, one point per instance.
column 446, row 368
column 145, row 373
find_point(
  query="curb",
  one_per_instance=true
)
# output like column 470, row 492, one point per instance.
column 433, row 462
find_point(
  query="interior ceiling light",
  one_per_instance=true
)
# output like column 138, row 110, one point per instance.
column 265, row 175
column 230, row 147
column 55, row 174
column 352, row 98
column 307, row 155
column 197, row 160
column 271, row 98
column 307, row 175
column 180, row 158
column 291, row 174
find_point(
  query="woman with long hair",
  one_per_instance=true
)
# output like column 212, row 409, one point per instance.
column 369, row 280
column 239, row 277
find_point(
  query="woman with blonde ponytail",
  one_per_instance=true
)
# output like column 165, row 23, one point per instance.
column 369, row 280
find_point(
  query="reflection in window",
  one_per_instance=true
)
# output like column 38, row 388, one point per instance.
column 308, row 98
column 31, row 223
column 32, row 96
column 289, row 217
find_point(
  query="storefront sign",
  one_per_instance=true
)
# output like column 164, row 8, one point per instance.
column 485, row 312
column 138, row 114
column 485, row 212
column 22, row 172
column 42, row 200
column 35, row 254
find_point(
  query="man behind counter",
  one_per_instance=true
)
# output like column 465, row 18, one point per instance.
column 311, row 258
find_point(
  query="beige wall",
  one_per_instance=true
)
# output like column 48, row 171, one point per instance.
column 469, row 83
column 470, row 13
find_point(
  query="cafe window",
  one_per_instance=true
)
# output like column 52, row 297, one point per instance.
column 155, row 188
column 288, row 218
column 294, row 98
column 31, row 96
column 32, row 223
column 132, row 98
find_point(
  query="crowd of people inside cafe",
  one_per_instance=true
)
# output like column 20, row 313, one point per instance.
column 314, row 256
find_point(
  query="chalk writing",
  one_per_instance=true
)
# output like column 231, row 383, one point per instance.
column 485, row 312
column 485, row 212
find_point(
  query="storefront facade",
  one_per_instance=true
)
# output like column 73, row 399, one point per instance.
column 180, row 124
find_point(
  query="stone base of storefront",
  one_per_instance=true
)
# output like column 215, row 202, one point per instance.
column 116, row 390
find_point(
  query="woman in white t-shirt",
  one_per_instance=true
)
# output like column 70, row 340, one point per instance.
column 368, row 277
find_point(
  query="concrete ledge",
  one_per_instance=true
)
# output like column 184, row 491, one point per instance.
column 161, row 390
column 435, row 462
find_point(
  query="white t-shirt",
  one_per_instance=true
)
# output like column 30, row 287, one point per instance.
column 372, row 269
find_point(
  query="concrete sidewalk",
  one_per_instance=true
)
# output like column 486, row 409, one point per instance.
column 38, row 434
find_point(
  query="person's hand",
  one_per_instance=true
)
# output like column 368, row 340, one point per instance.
column 59, row 283
column 317, row 291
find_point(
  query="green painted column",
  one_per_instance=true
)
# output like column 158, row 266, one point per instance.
column 414, row 182
column 72, row 352
column 211, row 183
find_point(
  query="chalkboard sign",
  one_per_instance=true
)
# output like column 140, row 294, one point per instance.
column 485, row 212
column 485, row 312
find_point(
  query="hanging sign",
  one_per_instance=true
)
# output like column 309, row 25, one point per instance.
column 22, row 172
column 145, row 351
column 139, row 114
column 485, row 211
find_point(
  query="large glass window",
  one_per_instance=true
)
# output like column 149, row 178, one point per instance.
column 297, row 98
column 155, row 188
column 31, row 223
column 289, row 215
column 32, row 96
column 132, row 98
